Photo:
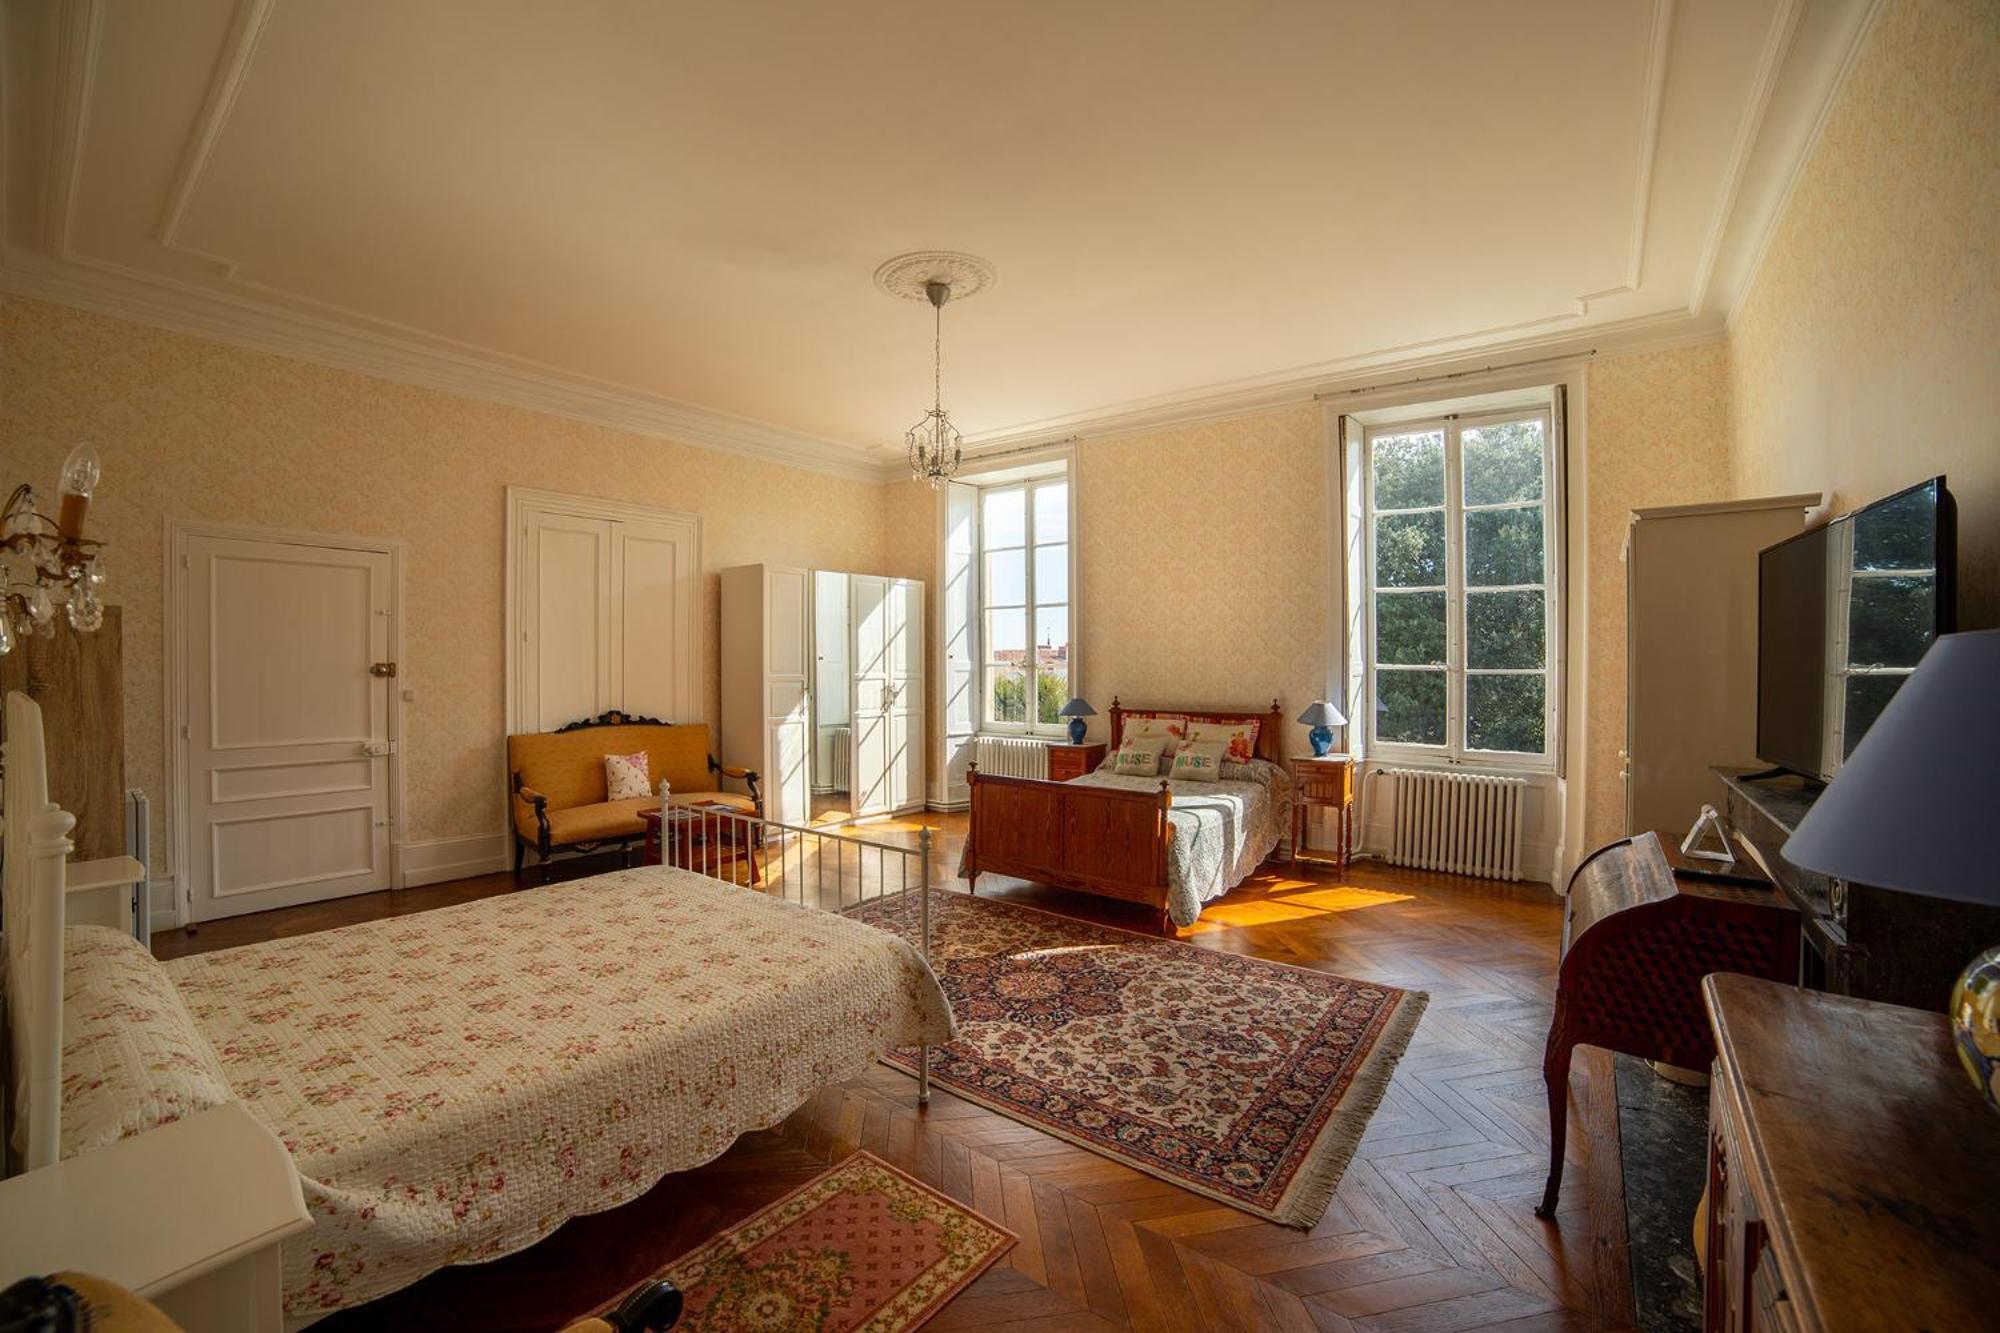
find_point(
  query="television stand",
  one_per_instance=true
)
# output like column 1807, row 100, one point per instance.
column 1859, row 940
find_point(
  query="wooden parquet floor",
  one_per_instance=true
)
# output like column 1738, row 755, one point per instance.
column 1432, row 1228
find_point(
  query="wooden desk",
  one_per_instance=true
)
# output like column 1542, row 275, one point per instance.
column 1073, row 761
column 1852, row 1168
column 1323, row 783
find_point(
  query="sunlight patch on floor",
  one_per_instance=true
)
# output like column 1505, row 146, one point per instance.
column 1292, row 901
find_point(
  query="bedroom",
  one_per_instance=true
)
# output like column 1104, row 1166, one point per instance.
column 378, row 282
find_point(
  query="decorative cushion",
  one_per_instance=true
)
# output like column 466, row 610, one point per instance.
column 1240, row 738
column 1199, row 761
column 625, row 776
column 1139, row 758
column 1168, row 727
column 132, row 1058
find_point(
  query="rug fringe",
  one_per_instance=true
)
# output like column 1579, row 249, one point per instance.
column 1312, row 1189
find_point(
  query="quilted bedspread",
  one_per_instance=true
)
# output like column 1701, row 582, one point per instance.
column 1222, row 830
column 454, row 1084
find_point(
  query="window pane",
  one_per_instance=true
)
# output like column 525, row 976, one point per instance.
column 1052, row 512
column 1052, row 573
column 1007, row 637
column 1866, row 697
column 1504, row 629
column 1503, row 546
column 1504, row 713
column 1891, row 619
column 1005, row 519
column 1898, row 535
column 1409, row 628
column 1007, row 578
column 1051, row 693
column 1409, row 470
column 1006, row 694
column 1409, row 707
column 1409, row 550
column 1052, row 636
column 1502, row 462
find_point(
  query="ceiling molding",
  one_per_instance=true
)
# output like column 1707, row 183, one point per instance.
column 1659, row 52
column 79, row 22
column 232, row 68
column 225, row 317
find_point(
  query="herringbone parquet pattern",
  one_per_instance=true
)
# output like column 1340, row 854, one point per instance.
column 1432, row 1229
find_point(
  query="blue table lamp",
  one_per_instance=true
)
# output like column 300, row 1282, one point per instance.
column 1322, row 717
column 1076, row 710
column 1912, row 810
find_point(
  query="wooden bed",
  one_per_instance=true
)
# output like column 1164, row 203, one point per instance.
column 1112, row 843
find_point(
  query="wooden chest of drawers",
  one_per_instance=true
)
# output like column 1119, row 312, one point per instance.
column 1073, row 761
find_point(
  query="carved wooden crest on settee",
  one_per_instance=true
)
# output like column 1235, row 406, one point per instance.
column 614, row 718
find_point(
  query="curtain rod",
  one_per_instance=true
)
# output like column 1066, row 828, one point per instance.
column 1022, row 449
column 1456, row 374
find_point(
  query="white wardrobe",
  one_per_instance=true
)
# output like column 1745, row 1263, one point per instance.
column 772, row 618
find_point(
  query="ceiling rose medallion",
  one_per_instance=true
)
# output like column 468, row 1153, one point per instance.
column 937, row 276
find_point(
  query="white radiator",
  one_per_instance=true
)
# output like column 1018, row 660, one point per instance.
column 1010, row 757
column 1461, row 822
column 835, row 759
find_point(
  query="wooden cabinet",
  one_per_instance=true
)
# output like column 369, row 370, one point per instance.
column 1073, row 761
column 1323, row 782
column 1851, row 1173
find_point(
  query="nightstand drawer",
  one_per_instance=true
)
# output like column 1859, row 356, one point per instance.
column 1073, row 761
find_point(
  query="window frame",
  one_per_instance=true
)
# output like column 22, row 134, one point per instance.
column 1455, row 752
column 984, row 722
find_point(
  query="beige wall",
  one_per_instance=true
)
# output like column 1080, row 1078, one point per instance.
column 194, row 429
column 1202, row 566
column 1867, row 353
column 1659, row 434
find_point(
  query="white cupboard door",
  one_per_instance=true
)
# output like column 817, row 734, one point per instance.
column 565, row 592
column 871, row 609
column 287, row 748
column 654, row 580
column 787, row 712
column 905, row 661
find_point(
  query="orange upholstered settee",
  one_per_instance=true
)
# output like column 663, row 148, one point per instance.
column 557, row 785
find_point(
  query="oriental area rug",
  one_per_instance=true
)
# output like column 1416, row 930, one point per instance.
column 860, row 1248
column 1243, row 1080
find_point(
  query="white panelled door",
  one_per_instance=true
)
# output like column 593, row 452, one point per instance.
column 888, row 657
column 787, row 711
column 606, row 610
column 287, row 752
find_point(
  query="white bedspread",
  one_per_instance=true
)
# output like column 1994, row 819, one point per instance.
column 1222, row 830
column 454, row 1084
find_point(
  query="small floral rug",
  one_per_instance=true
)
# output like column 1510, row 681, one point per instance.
column 1243, row 1080
column 860, row 1248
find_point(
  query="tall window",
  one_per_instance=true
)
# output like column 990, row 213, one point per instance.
column 1024, row 600
column 1461, row 601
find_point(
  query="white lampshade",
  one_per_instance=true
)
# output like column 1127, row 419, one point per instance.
column 1914, row 807
column 1322, row 714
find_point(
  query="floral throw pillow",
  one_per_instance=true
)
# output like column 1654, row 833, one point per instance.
column 1239, row 737
column 1170, row 729
column 1138, row 759
column 1199, row 761
column 625, row 777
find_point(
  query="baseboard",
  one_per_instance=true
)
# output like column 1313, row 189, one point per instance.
column 434, row 860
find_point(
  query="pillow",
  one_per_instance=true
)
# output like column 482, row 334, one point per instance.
column 1169, row 728
column 625, row 777
column 132, row 1057
column 1199, row 761
column 1240, row 738
column 1138, row 759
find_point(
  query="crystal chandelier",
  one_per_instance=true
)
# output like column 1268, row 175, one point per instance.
column 934, row 444
column 46, row 563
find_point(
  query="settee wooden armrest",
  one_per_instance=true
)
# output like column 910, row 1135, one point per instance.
column 747, row 776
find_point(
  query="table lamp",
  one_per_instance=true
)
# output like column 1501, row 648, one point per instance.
column 1076, row 710
column 1913, row 810
column 1322, row 717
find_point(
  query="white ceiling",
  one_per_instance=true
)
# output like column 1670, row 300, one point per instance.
column 668, row 215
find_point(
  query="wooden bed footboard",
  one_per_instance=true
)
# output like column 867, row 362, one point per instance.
column 1099, row 840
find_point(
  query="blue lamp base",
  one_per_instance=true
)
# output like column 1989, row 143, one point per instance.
column 1076, row 730
column 1322, row 741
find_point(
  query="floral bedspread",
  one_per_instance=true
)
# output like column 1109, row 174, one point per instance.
column 454, row 1084
column 1223, row 830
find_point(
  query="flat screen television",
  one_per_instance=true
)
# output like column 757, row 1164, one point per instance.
column 1844, row 612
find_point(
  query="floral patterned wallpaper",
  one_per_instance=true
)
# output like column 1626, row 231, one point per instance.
column 194, row 429
column 1866, row 355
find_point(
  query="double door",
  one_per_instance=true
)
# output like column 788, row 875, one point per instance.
column 886, row 654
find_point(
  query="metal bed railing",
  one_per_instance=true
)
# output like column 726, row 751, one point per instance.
column 805, row 865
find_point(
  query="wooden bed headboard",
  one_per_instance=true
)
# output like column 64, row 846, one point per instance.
column 37, row 848
column 1270, row 731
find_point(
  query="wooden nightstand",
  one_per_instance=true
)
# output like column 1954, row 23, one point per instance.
column 1073, row 761
column 1326, row 784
